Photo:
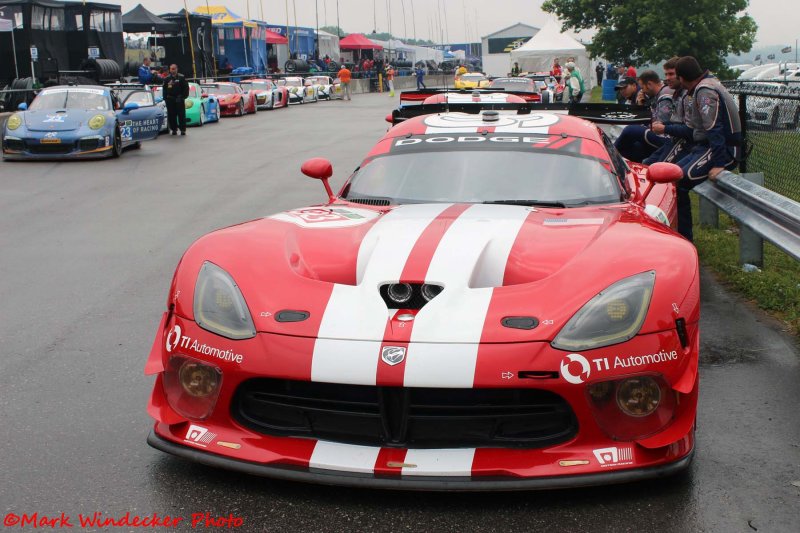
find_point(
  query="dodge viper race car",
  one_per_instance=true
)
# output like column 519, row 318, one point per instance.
column 490, row 302
column 301, row 91
column 78, row 122
column 472, row 80
column 268, row 94
column 232, row 99
column 327, row 87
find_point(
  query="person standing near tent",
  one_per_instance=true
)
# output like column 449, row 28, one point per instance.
column 345, row 76
column 145, row 73
column 176, row 91
column 575, row 85
column 556, row 70
column 420, row 72
column 599, row 70
column 390, row 79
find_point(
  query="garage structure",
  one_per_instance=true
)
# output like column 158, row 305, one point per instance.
column 496, row 47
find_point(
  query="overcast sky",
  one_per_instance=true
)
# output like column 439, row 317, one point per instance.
column 463, row 19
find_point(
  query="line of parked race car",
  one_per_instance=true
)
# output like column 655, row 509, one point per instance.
column 535, row 86
column 89, row 122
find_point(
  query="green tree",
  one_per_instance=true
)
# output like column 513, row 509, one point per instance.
column 651, row 31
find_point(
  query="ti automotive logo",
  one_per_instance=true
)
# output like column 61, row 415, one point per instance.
column 176, row 338
column 576, row 369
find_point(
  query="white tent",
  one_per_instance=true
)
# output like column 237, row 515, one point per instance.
column 537, row 55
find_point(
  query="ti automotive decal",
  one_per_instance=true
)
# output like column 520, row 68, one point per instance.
column 176, row 339
column 576, row 369
column 327, row 217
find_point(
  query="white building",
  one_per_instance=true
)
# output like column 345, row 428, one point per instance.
column 496, row 47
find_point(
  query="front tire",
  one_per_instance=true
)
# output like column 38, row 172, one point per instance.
column 240, row 111
column 202, row 117
column 116, row 149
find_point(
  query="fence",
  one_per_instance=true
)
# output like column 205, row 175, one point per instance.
column 770, row 114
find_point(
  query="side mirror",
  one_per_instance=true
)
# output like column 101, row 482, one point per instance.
column 159, row 99
column 321, row 169
column 130, row 106
column 204, row 95
column 390, row 119
column 661, row 173
column 23, row 106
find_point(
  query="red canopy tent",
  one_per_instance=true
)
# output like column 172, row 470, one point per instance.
column 276, row 38
column 357, row 41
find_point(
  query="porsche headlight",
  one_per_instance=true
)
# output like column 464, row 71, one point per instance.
column 613, row 316
column 14, row 122
column 97, row 122
column 219, row 306
column 188, row 104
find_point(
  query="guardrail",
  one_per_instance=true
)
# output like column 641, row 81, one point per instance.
column 763, row 214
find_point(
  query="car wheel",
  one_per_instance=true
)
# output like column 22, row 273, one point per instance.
column 202, row 117
column 240, row 111
column 776, row 113
column 216, row 113
column 796, row 122
column 116, row 150
column 545, row 98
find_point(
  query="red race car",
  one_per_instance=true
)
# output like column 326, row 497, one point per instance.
column 492, row 301
column 267, row 94
column 233, row 100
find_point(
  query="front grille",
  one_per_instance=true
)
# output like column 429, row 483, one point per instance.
column 61, row 148
column 403, row 416
column 90, row 144
column 15, row 144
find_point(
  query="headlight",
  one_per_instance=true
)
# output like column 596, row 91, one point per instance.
column 14, row 122
column 188, row 104
column 613, row 316
column 97, row 122
column 219, row 306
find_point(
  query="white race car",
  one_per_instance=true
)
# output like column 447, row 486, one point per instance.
column 301, row 91
column 327, row 88
column 764, row 111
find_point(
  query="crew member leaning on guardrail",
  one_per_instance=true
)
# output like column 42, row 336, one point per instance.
column 717, row 134
column 675, row 128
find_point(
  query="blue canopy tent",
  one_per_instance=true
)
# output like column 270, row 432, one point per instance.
column 239, row 42
column 302, row 41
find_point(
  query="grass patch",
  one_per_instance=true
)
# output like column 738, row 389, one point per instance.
column 776, row 289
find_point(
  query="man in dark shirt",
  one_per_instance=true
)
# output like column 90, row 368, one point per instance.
column 176, row 91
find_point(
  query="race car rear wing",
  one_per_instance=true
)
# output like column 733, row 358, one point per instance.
column 417, row 97
column 618, row 114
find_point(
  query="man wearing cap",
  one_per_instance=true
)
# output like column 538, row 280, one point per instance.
column 575, row 85
column 628, row 91
column 637, row 142
column 712, row 114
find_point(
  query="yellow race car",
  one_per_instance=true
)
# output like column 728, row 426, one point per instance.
column 472, row 80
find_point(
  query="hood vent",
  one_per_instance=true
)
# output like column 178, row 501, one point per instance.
column 409, row 295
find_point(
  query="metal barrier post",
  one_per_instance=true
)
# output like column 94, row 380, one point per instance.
column 751, row 245
column 709, row 213
column 743, row 120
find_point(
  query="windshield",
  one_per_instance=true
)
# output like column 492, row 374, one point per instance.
column 473, row 77
column 194, row 91
column 294, row 82
column 320, row 80
column 496, row 175
column 523, row 86
column 73, row 98
column 143, row 98
column 221, row 89
column 257, row 85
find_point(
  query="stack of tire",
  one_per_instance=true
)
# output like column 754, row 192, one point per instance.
column 296, row 65
column 12, row 100
column 102, row 70
column 401, row 63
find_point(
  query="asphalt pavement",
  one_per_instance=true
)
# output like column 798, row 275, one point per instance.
column 87, row 254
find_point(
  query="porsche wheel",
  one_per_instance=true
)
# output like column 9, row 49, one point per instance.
column 202, row 117
column 216, row 113
column 116, row 149
column 240, row 111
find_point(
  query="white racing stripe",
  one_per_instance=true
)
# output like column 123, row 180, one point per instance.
column 443, row 462
column 348, row 342
column 344, row 457
column 470, row 261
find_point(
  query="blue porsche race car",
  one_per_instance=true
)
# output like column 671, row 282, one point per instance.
column 78, row 122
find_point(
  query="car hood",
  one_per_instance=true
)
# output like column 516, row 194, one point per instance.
column 57, row 120
column 228, row 98
column 493, row 261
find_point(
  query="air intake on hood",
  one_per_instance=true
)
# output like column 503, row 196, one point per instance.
column 409, row 295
